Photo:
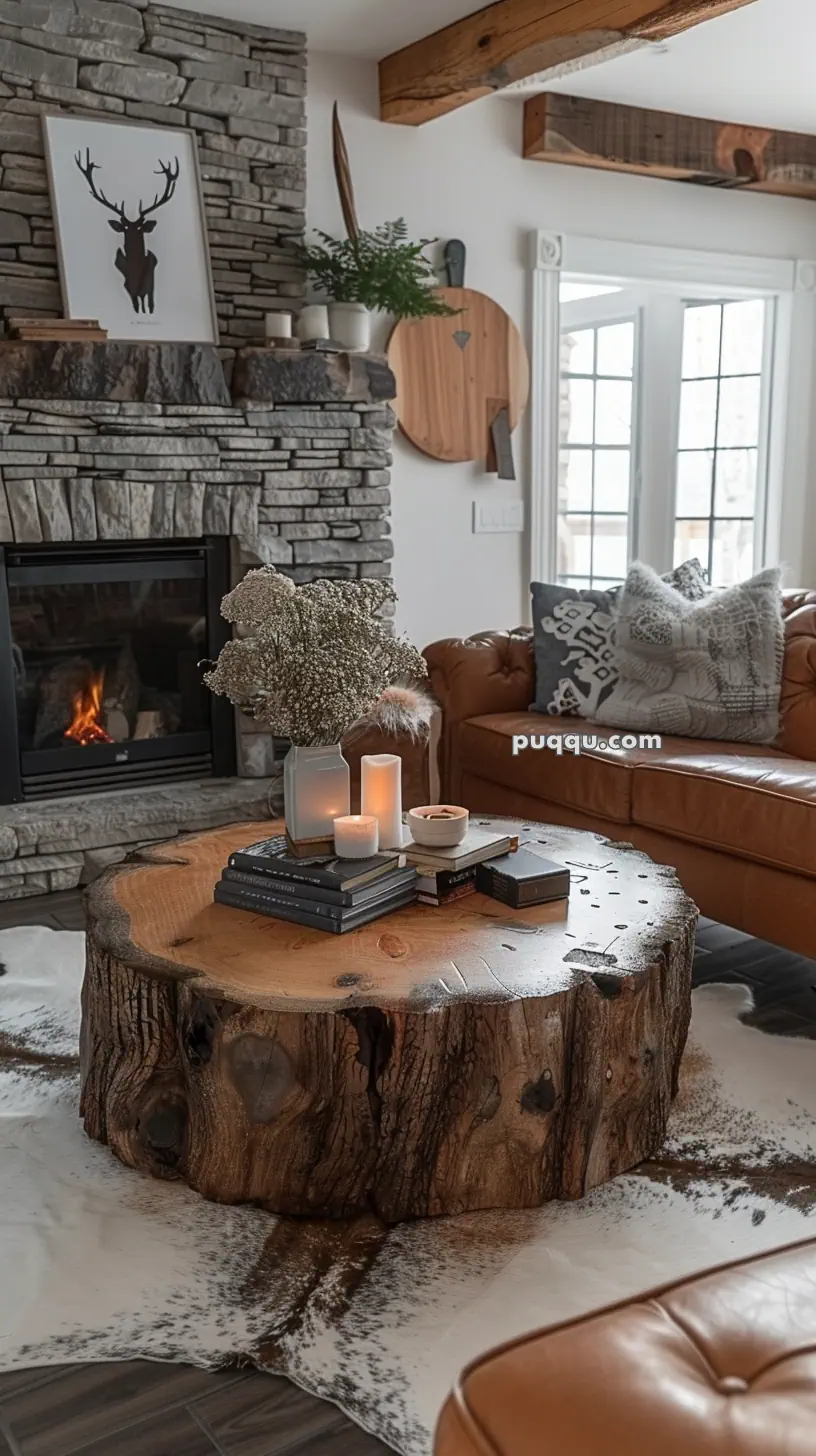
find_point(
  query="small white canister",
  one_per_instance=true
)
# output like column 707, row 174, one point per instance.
column 277, row 327
column 313, row 322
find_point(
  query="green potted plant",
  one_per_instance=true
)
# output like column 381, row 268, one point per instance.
column 380, row 270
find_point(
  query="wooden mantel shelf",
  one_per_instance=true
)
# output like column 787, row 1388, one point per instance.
column 187, row 374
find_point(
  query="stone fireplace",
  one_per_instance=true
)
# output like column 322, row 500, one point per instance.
column 139, row 481
column 123, row 520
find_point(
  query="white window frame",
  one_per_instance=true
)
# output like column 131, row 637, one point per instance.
column 789, row 285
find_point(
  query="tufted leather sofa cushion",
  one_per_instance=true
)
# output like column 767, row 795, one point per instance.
column 722, row 1365
column 760, row 807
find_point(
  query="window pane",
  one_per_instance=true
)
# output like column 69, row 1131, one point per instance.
column 691, row 539
column 695, row 478
column 701, row 342
column 698, row 415
column 616, row 350
column 735, row 493
column 612, row 470
column 743, row 335
column 579, row 411
column 733, row 552
column 575, row 486
column 613, row 412
column 574, row 545
column 611, row 546
column 578, row 352
column 739, row 412
column 605, row 583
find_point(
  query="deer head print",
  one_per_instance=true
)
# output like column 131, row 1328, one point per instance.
column 134, row 260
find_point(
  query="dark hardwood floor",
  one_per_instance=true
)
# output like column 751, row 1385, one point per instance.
column 143, row 1409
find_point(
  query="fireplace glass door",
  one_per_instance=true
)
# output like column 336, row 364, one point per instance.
column 105, row 647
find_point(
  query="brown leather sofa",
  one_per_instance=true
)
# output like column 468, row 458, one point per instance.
column 738, row 822
column 720, row 1365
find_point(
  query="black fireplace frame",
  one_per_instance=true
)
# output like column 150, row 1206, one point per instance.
column 45, row 773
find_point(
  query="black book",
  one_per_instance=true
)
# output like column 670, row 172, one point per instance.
column 522, row 879
column 272, row 857
column 241, row 897
column 306, row 895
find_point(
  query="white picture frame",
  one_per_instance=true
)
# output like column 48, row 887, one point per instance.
column 130, row 228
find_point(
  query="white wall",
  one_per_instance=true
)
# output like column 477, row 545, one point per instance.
column 463, row 176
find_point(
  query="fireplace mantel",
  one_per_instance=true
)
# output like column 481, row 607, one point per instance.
column 132, row 372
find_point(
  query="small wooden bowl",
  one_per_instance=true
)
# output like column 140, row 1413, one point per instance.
column 442, row 824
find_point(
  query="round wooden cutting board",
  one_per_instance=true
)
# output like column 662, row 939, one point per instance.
column 455, row 374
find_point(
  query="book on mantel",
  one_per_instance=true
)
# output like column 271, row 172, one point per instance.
column 323, row 892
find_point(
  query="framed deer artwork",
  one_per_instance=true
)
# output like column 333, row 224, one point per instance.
column 131, row 234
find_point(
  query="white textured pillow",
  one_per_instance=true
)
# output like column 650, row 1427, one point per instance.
column 704, row 669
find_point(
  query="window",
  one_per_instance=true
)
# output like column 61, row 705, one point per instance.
column 720, row 425
column 662, row 410
column 595, row 474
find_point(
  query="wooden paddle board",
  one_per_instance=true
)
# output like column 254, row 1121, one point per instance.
column 455, row 374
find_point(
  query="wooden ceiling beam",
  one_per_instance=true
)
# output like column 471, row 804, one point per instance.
column 514, row 39
column 584, row 133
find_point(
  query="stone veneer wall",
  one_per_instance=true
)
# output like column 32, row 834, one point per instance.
column 304, row 486
column 239, row 87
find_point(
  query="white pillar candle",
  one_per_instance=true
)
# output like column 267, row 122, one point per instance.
column 278, row 325
column 313, row 322
column 356, row 836
column 381, row 795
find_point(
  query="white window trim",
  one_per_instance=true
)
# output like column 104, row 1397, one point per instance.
column 790, row 283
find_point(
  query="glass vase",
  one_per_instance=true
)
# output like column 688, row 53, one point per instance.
column 316, row 791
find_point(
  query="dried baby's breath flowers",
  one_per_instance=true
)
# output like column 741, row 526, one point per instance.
column 309, row 661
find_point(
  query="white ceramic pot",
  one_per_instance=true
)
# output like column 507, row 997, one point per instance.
column 440, row 824
column 350, row 325
column 313, row 322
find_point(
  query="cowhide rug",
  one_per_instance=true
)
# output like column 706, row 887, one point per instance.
column 100, row 1263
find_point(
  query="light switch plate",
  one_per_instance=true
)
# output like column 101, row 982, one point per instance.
column 494, row 516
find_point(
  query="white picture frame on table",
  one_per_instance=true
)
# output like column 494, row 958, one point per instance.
column 130, row 227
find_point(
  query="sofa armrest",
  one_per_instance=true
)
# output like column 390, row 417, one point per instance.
column 798, row 700
column 493, row 672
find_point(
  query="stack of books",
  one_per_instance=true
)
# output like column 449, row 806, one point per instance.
column 322, row 892
column 71, row 331
column 448, row 873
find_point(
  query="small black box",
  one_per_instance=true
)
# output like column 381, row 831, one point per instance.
column 523, row 879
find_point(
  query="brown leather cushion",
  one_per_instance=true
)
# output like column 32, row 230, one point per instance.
column 758, row 806
column 723, row 1365
column 599, row 782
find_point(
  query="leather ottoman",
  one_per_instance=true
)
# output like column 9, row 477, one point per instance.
column 719, row 1365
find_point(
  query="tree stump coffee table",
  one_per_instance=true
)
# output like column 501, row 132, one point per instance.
column 433, row 1062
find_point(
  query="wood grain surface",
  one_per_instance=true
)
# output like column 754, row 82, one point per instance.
column 513, row 39
column 584, row 133
column 455, row 374
column 436, row 1061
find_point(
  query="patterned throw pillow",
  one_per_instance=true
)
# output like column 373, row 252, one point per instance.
column 574, row 640
column 704, row 669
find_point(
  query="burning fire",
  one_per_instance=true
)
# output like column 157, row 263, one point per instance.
column 85, row 725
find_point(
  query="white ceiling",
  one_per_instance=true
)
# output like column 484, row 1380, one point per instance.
column 754, row 65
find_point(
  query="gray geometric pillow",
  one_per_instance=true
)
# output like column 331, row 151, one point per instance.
column 574, row 641
column 705, row 669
